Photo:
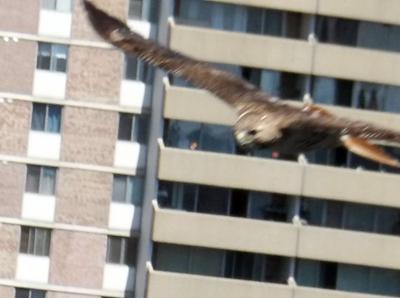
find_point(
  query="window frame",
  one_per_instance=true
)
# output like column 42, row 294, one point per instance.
column 53, row 57
column 30, row 238
column 46, row 117
column 137, row 122
column 40, row 179
column 129, row 184
column 123, row 258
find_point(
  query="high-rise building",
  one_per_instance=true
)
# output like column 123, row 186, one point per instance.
column 117, row 180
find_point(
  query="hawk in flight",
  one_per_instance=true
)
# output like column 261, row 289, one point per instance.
column 262, row 122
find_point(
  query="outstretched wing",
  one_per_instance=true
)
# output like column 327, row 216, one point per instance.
column 224, row 85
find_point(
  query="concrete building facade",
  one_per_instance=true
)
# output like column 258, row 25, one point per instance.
column 120, row 181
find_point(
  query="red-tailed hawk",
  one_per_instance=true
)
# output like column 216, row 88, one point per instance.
column 261, row 121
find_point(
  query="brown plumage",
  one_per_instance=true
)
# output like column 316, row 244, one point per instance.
column 261, row 121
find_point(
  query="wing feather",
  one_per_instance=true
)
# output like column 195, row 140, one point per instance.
column 224, row 85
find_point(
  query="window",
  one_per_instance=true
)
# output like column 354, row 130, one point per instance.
column 35, row 241
column 135, row 9
column 52, row 57
column 29, row 293
column 121, row 250
column 133, row 128
column 128, row 189
column 138, row 70
column 58, row 5
column 46, row 118
column 41, row 180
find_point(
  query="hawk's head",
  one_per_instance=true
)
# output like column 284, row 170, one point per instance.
column 253, row 130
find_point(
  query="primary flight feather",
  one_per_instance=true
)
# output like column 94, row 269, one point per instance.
column 261, row 122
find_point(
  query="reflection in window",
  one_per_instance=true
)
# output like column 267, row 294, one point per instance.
column 121, row 250
column 208, row 137
column 35, row 241
column 133, row 128
column 46, row 118
column 220, row 263
column 128, row 189
column 52, row 57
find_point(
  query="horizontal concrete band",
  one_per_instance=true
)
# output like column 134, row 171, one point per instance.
column 283, row 54
column 382, row 11
column 268, row 175
column 200, row 106
column 60, row 289
column 177, row 285
column 284, row 239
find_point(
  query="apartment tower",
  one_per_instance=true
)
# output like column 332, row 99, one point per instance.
column 118, row 180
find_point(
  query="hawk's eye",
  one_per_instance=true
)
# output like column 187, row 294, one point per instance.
column 252, row 132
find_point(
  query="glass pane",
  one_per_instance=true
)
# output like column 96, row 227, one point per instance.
column 359, row 217
column 38, row 294
column 59, row 58
column 206, row 261
column 125, row 127
column 130, row 251
column 44, row 53
column 131, row 68
column 38, row 117
column 32, row 179
column 217, row 138
column 41, row 242
column 119, row 188
column 114, row 250
column 213, row 200
column 21, row 293
column 189, row 192
column 49, row 4
column 135, row 9
column 48, row 181
column 140, row 129
column 183, row 134
column 54, row 119
column 135, row 190
column 307, row 273
column 170, row 257
column 353, row 278
column 64, row 5
column 24, row 240
column 385, row 282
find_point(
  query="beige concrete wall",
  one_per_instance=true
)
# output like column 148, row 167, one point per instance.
column 94, row 74
column 12, row 187
column 14, row 16
column 162, row 284
column 7, row 292
column 224, row 232
column 242, row 49
column 349, row 247
column 83, row 197
column 81, row 28
column 228, row 170
column 77, row 259
column 306, row 6
column 17, row 65
column 67, row 295
column 15, row 123
column 9, row 247
column 89, row 136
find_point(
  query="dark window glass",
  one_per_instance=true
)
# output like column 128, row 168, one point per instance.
column 125, row 127
column 44, row 54
column 52, row 57
column 27, row 293
column 41, row 180
column 128, row 189
column 122, row 250
column 38, row 116
column 133, row 128
column 33, row 179
column 35, row 241
column 46, row 118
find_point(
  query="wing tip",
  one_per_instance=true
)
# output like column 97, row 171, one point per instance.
column 103, row 23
